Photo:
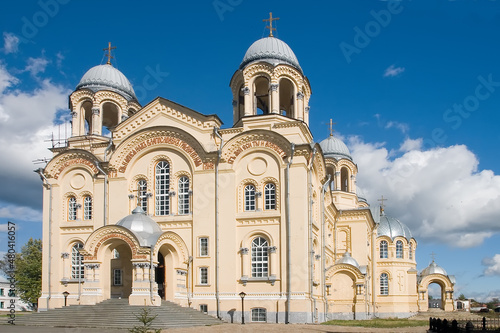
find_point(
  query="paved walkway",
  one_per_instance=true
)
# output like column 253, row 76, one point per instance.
column 224, row 328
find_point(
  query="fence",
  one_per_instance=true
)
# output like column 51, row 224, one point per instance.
column 468, row 326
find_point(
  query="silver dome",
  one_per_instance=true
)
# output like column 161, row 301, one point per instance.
column 106, row 77
column 433, row 268
column 336, row 148
column 347, row 259
column 391, row 227
column 271, row 50
column 142, row 226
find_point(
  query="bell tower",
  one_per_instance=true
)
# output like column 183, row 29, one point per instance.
column 270, row 81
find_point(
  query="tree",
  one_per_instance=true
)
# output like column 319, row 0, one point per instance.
column 146, row 318
column 462, row 297
column 27, row 271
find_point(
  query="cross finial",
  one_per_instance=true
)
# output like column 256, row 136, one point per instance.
column 382, row 206
column 433, row 256
column 331, row 127
column 109, row 48
column 270, row 26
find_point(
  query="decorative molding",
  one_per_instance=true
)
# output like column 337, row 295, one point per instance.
column 96, row 111
column 300, row 95
column 274, row 86
column 272, row 249
column 244, row 250
column 238, row 146
column 79, row 158
column 65, row 255
column 246, row 90
column 171, row 237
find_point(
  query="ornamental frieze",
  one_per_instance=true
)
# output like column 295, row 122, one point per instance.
column 256, row 140
column 68, row 161
column 155, row 138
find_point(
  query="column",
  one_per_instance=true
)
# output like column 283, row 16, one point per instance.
column 306, row 114
column 275, row 100
column 337, row 181
column 96, row 123
column 300, row 106
column 248, row 102
column 245, row 260
column 74, row 124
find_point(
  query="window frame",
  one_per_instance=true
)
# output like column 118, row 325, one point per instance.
column 259, row 261
column 202, row 246
column 183, row 198
column 270, row 196
column 162, row 188
column 142, row 194
column 399, row 250
column 384, row 284
column 410, row 252
column 120, row 277
column 259, row 315
column 249, row 198
column 87, row 208
column 204, row 308
column 203, row 275
column 384, row 250
column 77, row 267
column 72, row 211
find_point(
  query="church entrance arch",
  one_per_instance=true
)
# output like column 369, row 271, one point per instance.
column 430, row 283
column 117, row 272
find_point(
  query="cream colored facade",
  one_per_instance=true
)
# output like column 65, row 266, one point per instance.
column 258, row 208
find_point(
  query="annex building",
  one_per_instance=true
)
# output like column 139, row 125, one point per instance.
column 160, row 202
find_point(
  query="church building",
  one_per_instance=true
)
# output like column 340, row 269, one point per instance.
column 160, row 202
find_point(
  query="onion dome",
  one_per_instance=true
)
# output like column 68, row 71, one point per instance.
column 142, row 226
column 347, row 259
column 391, row 227
column 106, row 77
column 271, row 50
column 335, row 148
column 433, row 268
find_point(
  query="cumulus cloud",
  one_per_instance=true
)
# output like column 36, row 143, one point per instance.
column 20, row 212
column 10, row 43
column 439, row 193
column 36, row 65
column 26, row 122
column 492, row 265
column 393, row 71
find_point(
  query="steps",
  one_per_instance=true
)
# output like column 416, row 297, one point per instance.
column 117, row 313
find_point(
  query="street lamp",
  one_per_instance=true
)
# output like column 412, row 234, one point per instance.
column 242, row 295
column 65, row 294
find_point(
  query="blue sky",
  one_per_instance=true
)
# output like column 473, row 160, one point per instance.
column 413, row 86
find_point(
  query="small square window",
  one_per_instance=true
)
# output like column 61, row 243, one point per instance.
column 2, row 305
column 1, row 292
column 117, row 277
column 204, row 308
column 259, row 315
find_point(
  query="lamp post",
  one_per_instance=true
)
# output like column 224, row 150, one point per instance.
column 242, row 295
column 65, row 294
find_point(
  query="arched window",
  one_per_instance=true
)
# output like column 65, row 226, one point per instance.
column 184, row 195
column 142, row 195
column 249, row 197
column 71, row 209
column 384, row 284
column 344, row 180
column 399, row 249
column 260, row 258
column 410, row 252
column 269, row 196
column 77, row 270
column 383, row 249
column 162, row 188
column 87, row 208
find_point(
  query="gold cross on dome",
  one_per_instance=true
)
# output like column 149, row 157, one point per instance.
column 270, row 26
column 109, row 48
column 382, row 203
column 331, row 127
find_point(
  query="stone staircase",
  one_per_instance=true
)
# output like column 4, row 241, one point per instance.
column 117, row 313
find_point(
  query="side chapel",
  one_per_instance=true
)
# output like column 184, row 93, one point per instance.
column 159, row 202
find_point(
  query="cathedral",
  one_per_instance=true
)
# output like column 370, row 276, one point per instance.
column 159, row 202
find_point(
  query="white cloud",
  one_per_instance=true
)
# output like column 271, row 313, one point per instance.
column 393, row 71
column 438, row 193
column 10, row 43
column 492, row 265
column 400, row 126
column 3, row 228
column 26, row 123
column 36, row 65
column 20, row 213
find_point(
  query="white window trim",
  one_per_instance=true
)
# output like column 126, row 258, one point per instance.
column 201, row 247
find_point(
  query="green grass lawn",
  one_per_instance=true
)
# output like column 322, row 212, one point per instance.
column 379, row 323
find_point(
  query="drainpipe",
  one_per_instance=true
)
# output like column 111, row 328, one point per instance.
column 374, row 259
column 219, row 153
column 323, row 259
column 288, row 237
column 311, row 249
column 151, row 296
column 47, row 185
